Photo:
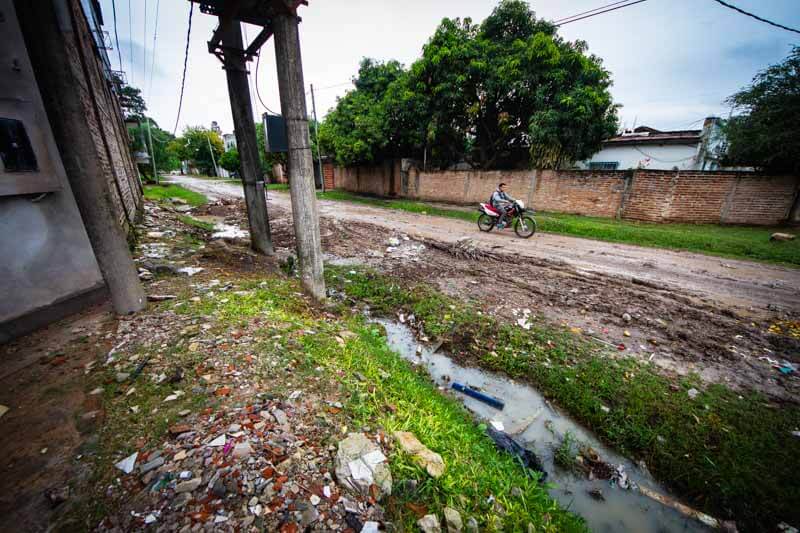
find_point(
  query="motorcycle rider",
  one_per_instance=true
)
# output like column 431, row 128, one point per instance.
column 501, row 201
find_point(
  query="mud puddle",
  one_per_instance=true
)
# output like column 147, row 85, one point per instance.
column 534, row 423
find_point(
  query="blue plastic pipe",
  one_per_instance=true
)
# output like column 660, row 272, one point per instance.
column 494, row 402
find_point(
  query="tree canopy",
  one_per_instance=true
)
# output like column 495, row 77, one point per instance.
column 506, row 93
column 130, row 99
column 766, row 132
column 193, row 145
column 230, row 160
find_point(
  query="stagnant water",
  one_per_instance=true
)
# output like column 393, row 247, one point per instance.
column 621, row 511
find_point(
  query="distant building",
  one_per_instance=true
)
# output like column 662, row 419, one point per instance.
column 215, row 128
column 230, row 141
column 646, row 147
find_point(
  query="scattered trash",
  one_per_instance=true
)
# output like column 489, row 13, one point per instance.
column 494, row 402
column 496, row 424
column 710, row 521
column 360, row 464
column 527, row 458
column 621, row 480
column 190, row 271
column 127, row 464
column 693, row 393
column 3, row 410
column 431, row 461
column 160, row 297
column 57, row 496
column 781, row 237
column 219, row 441
column 596, row 494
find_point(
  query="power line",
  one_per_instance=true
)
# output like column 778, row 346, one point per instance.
column 116, row 35
column 601, row 12
column 130, row 35
column 743, row 12
column 589, row 11
column 185, row 61
column 144, row 49
column 153, row 59
column 258, row 61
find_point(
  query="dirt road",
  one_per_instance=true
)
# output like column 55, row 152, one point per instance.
column 753, row 288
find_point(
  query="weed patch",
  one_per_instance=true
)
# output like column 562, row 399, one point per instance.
column 724, row 451
column 161, row 193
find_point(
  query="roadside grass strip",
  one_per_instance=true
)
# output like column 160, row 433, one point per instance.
column 727, row 453
column 162, row 193
column 386, row 391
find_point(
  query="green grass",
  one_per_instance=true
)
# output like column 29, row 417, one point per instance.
column 200, row 224
column 741, row 242
column 726, row 453
column 162, row 193
column 386, row 392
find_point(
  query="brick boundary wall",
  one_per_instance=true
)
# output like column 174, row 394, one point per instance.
column 103, row 114
column 646, row 195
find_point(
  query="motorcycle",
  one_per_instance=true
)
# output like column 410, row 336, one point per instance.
column 516, row 215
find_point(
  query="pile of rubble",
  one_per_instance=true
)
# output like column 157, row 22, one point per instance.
column 256, row 467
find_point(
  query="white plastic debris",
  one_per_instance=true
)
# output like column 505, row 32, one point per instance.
column 219, row 441
column 127, row 464
column 496, row 424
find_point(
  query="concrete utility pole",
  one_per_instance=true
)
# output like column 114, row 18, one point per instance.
column 316, row 134
column 152, row 152
column 245, row 130
column 301, row 170
column 213, row 159
column 67, row 114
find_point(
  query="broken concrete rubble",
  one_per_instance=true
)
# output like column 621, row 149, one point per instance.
column 360, row 464
column 431, row 461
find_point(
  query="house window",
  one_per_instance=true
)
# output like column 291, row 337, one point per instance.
column 15, row 147
column 603, row 165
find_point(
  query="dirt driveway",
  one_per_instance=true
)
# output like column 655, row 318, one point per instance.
column 685, row 312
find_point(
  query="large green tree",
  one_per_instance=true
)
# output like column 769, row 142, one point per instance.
column 766, row 131
column 130, row 99
column 196, row 145
column 506, row 93
column 230, row 160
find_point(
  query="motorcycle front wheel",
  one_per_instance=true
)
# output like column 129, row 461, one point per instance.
column 485, row 222
column 525, row 226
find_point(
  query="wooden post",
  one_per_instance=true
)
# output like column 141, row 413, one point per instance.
column 301, row 170
column 49, row 33
column 245, row 130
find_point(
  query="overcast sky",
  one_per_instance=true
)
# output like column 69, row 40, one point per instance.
column 673, row 62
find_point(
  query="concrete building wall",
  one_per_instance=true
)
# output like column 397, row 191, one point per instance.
column 46, row 255
column 655, row 157
column 647, row 195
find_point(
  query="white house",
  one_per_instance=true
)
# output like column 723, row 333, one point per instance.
column 230, row 141
column 646, row 147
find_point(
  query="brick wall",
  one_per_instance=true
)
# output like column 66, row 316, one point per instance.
column 103, row 115
column 580, row 192
column 328, row 175
column 647, row 195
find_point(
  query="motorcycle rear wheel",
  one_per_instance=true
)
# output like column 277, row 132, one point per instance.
column 485, row 222
column 525, row 226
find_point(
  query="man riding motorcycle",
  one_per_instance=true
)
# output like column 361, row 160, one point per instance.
column 502, row 201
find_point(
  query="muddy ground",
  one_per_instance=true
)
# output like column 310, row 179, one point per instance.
column 682, row 331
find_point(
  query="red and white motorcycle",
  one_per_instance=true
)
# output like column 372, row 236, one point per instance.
column 516, row 215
